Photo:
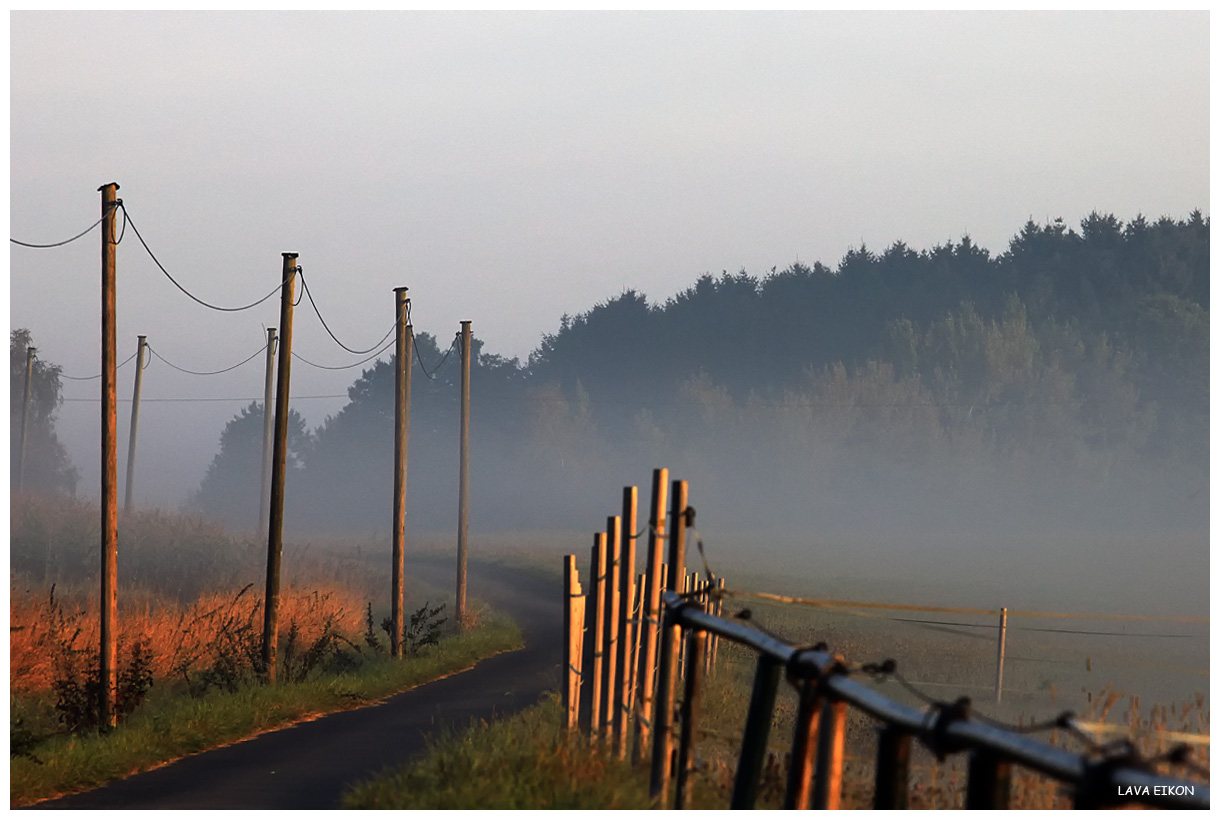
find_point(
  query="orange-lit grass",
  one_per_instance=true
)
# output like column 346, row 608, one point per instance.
column 43, row 628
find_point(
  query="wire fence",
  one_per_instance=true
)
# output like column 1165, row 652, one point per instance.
column 673, row 638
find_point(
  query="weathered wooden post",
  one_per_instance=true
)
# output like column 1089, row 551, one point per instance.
column 610, row 654
column 573, row 626
column 264, row 495
column 598, row 636
column 892, row 789
column 279, row 466
column 626, row 630
column 129, row 487
column 637, row 611
column 719, row 610
column 988, row 781
column 690, row 710
column 463, row 480
column 663, row 741
column 402, row 426
column 999, row 657
column 758, row 728
column 799, row 790
column 828, row 787
column 650, row 613
column 108, row 628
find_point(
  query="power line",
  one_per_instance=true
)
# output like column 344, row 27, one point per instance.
column 445, row 358
column 152, row 256
column 386, row 347
column 305, row 287
column 73, row 239
column 209, row 372
column 99, row 375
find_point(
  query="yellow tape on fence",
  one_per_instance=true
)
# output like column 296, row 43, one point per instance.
column 829, row 603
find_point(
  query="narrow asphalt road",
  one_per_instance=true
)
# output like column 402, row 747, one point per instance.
column 309, row 765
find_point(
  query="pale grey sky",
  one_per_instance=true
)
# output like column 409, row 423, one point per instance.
column 514, row 167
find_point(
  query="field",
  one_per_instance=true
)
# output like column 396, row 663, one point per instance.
column 1142, row 679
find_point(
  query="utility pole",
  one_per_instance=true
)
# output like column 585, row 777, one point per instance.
column 135, row 418
column 265, row 485
column 464, row 478
column 402, row 427
column 25, row 417
column 110, row 466
column 279, row 463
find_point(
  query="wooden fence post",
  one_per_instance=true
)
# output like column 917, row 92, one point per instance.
column 637, row 613
column 754, row 738
column 999, row 658
column 573, row 627
column 988, row 780
column 828, row 787
column 610, row 653
column 892, row 788
column 690, row 709
column 650, row 618
column 622, row 717
column 804, row 744
column 663, row 742
column 591, row 667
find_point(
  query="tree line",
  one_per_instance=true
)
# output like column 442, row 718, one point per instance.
column 1067, row 374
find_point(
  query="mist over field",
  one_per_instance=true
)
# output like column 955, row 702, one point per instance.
column 1032, row 423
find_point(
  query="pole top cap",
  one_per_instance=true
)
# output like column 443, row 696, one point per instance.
column 289, row 255
column 108, row 184
column 402, row 289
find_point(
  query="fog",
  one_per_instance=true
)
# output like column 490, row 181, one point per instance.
column 516, row 169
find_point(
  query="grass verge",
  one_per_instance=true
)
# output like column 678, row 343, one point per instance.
column 173, row 727
column 522, row 762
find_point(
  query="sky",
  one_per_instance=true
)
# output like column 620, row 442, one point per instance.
column 511, row 168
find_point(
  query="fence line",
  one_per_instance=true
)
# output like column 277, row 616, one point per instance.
column 837, row 604
column 678, row 635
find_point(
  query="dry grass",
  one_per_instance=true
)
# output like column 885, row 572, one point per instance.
column 43, row 629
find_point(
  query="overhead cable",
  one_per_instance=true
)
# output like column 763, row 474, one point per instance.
column 386, row 347
column 99, row 375
column 208, row 372
column 193, row 296
column 305, row 287
column 66, row 241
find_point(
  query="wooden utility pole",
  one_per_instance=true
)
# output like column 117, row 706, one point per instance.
column 463, row 478
column 110, row 466
column 402, row 426
column 135, row 419
column 279, row 464
column 25, row 417
column 268, row 385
